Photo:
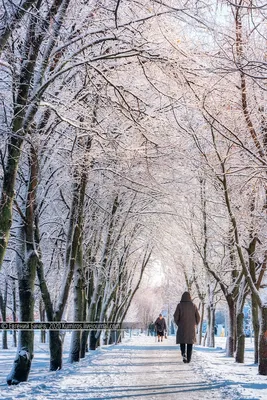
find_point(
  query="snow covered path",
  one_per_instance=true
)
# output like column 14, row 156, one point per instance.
column 147, row 372
column 138, row 369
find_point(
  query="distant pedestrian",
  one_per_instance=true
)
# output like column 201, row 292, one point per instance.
column 160, row 326
column 151, row 329
column 186, row 317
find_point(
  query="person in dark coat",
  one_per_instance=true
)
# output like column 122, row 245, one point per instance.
column 186, row 317
column 151, row 329
column 160, row 326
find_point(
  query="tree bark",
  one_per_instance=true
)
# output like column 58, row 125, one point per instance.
column 75, row 349
column 3, row 304
column 211, row 317
column 200, row 326
column 208, row 325
column 27, row 261
column 14, row 309
column 42, row 319
column 256, row 326
column 22, row 364
column 87, row 302
column 84, row 343
column 263, row 343
column 94, row 340
column 231, row 338
column 240, row 348
column 240, row 335
column 56, row 350
column 8, row 192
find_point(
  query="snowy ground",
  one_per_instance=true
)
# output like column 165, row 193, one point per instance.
column 139, row 368
column 242, row 380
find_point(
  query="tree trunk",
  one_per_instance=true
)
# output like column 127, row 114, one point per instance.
column 93, row 314
column 230, row 347
column 210, row 319
column 208, row 325
column 19, row 129
column 105, row 338
column 95, row 335
column 22, row 364
column 4, row 340
column 42, row 319
column 212, row 325
column 43, row 336
column 240, row 336
column 14, row 310
column 84, row 343
column 21, row 367
column 256, row 326
column 15, row 342
column 56, row 350
column 200, row 326
column 94, row 341
column 204, row 339
column 75, row 348
column 113, row 337
column 240, row 348
column 8, row 192
column 263, row 343
column 88, row 292
column 3, row 304
column 27, row 261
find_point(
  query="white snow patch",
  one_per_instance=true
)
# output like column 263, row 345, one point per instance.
column 138, row 368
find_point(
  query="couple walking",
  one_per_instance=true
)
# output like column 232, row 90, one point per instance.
column 186, row 317
column 160, row 327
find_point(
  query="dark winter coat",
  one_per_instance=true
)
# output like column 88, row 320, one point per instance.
column 160, row 325
column 186, row 317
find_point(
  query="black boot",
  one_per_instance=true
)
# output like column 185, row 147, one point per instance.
column 189, row 352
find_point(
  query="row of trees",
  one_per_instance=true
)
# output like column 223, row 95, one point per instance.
column 223, row 119
column 76, row 194
column 132, row 132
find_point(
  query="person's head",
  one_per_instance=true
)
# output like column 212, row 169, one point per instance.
column 160, row 316
column 186, row 296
